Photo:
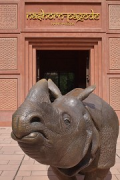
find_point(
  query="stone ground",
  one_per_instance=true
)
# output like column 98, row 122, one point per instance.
column 15, row 165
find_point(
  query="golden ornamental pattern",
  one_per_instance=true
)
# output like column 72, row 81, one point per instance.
column 62, row 16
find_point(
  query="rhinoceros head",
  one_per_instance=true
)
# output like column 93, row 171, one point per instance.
column 58, row 133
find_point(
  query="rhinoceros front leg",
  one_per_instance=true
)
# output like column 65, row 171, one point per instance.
column 96, row 175
column 61, row 176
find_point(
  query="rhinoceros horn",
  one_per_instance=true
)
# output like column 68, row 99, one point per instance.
column 86, row 92
column 54, row 89
column 39, row 92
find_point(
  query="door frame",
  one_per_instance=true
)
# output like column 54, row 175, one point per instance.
column 94, row 45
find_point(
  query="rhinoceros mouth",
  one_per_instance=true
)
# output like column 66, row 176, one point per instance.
column 30, row 138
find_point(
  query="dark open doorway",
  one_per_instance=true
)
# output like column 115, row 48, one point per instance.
column 68, row 69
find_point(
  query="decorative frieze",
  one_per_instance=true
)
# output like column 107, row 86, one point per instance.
column 8, row 16
column 8, row 53
column 8, row 94
column 115, row 93
column 114, row 16
column 114, row 53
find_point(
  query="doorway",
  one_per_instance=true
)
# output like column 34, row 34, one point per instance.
column 68, row 69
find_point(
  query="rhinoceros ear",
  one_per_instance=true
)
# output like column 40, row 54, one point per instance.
column 54, row 89
column 86, row 92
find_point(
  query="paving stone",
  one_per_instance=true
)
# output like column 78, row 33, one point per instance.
column 36, row 162
column 118, row 170
column 24, row 173
column 30, row 169
column 11, row 148
column 6, row 178
column 4, row 161
column 40, row 178
column 8, row 173
column 33, row 167
column 18, row 178
column 118, row 153
column 8, row 153
column 117, row 166
column 118, row 145
column 48, row 168
column 30, row 162
column 3, row 130
column 13, row 142
column 114, row 171
column 11, row 157
column 5, row 141
column 14, row 162
column 8, row 167
column 41, row 173
column 26, row 157
column 20, row 152
column 5, row 135
column 8, row 145
column 117, row 160
column 118, row 177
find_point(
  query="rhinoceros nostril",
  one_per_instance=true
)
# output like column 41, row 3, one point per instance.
column 35, row 119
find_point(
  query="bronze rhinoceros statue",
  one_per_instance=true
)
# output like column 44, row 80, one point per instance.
column 74, row 134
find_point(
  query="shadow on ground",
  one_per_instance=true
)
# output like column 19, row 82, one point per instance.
column 52, row 176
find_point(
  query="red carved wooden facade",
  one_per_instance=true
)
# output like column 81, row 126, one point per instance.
column 28, row 27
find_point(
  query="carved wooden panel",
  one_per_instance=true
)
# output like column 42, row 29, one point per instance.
column 8, row 16
column 115, row 93
column 114, row 53
column 8, row 53
column 114, row 16
column 8, row 94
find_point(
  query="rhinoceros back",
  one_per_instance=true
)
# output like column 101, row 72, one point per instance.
column 106, row 122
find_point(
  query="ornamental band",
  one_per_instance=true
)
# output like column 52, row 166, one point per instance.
column 60, row 16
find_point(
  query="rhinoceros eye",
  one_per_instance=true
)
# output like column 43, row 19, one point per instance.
column 66, row 119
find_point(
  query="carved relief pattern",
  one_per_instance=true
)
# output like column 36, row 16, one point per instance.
column 114, row 16
column 115, row 93
column 8, row 94
column 114, row 52
column 8, row 53
column 8, row 16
